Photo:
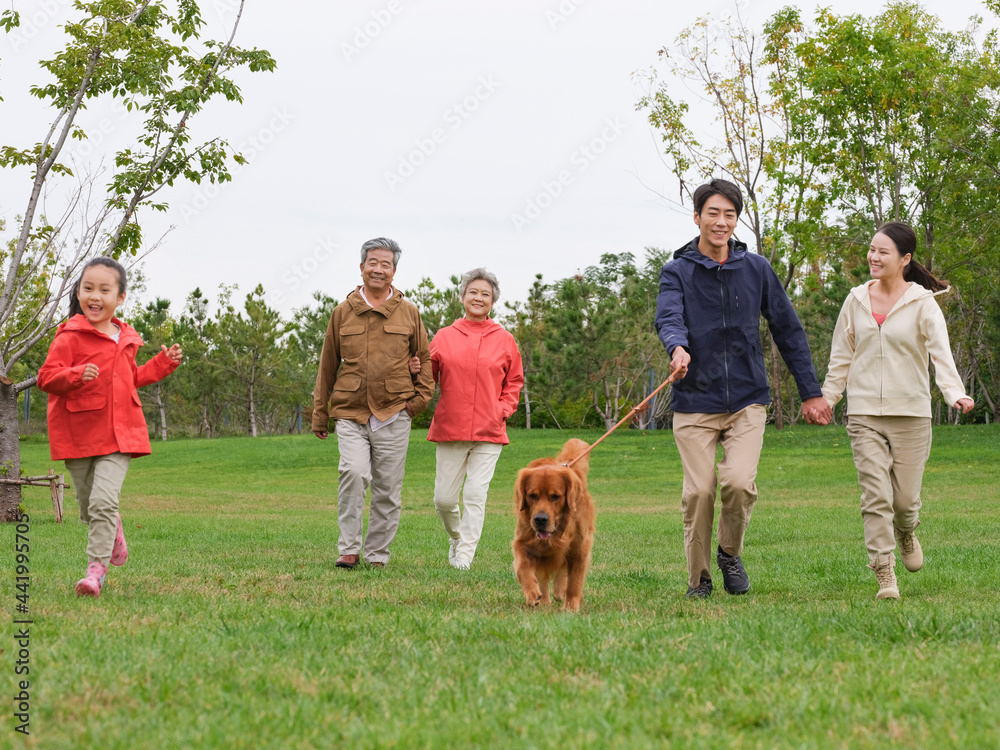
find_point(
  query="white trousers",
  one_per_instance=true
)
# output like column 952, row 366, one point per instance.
column 473, row 463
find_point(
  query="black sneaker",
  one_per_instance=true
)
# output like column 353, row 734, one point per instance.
column 734, row 577
column 702, row 591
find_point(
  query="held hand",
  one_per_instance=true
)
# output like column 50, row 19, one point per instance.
column 409, row 410
column 320, row 434
column 90, row 372
column 174, row 353
column 414, row 365
column 679, row 362
column 965, row 404
column 817, row 411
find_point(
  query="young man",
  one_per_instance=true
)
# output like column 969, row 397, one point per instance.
column 364, row 383
column 712, row 295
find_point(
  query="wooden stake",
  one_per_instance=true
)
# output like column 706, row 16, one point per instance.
column 56, row 489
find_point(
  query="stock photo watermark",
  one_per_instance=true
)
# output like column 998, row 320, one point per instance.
column 579, row 162
column 367, row 32
column 250, row 147
column 560, row 14
column 33, row 22
column 302, row 270
column 720, row 27
column 454, row 117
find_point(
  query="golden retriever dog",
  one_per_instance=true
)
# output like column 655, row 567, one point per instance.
column 555, row 527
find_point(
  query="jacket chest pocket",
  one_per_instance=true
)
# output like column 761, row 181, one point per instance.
column 86, row 403
column 397, row 341
column 352, row 342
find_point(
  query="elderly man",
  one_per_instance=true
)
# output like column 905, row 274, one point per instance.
column 364, row 383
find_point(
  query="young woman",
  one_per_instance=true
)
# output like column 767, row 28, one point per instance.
column 96, row 422
column 887, row 329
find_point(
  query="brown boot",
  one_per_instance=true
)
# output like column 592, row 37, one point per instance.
column 909, row 549
column 886, row 575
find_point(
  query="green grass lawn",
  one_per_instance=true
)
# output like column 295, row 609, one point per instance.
column 230, row 627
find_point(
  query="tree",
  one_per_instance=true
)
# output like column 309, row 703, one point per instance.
column 525, row 322
column 758, row 144
column 251, row 348
column 600, row 340
column 140, row 53
column 438, row 307
column 305, row 342
column 156, row 327
column 911, row 123
column 833, row 130
column 198, row 379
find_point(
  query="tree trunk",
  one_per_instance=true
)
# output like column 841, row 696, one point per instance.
column 163, row 412
column 607, row 414
column 778, row 403
column 10, row 452
column 206, row 426
column 253, row 413
column 527, row 404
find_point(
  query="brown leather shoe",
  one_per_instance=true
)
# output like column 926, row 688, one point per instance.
column 377, row 564
column 347, row 561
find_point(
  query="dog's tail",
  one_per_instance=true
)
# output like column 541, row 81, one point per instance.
column 573, row 448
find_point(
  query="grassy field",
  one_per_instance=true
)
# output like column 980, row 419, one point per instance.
column 230, row 627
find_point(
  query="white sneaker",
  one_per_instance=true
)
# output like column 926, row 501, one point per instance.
column 461, row 563
column 452, row 549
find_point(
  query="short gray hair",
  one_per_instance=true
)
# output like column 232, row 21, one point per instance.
column 382, row 243
column 479, row 274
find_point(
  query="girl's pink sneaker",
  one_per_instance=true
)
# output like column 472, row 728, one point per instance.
column 90, row 585
column 119, row 553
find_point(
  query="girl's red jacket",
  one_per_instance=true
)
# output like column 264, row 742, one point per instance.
column 103, row 415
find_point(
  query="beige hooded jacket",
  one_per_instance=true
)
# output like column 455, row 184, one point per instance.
column 885, row 368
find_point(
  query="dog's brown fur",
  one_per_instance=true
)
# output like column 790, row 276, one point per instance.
column 561, row 548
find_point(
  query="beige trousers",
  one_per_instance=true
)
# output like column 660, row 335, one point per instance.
column 472, row 463
column 98, row 482
column 741, row 436
column 376, row 458
column 890, row 454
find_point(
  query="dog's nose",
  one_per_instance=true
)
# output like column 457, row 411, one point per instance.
column 541, row 520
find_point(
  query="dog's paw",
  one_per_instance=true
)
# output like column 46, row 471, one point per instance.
column 533, row 598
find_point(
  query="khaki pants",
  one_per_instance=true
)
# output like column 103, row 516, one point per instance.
column 371, row 458
column 890, row 454
column 472, row 463
column 741, row 436
column 98, row 481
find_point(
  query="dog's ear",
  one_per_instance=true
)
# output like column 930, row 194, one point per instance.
column 574, row 489
column 519, row 503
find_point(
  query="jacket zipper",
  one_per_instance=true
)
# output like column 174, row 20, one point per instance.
column 725, row 339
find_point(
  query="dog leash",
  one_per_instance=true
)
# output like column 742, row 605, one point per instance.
column 637, row 407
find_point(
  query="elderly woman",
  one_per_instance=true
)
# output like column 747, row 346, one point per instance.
column 478, row 366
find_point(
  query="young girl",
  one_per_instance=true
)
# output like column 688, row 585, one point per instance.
column 95, row 417
column 887, row 330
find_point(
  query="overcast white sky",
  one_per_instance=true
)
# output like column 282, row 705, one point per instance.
column 496, row 134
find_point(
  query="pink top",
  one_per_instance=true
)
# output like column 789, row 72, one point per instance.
column 880, row 319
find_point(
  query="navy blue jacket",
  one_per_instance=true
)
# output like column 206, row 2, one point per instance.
column 714, row 311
